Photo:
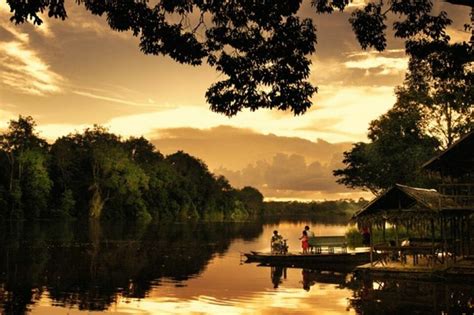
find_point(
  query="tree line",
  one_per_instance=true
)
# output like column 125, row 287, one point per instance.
column 342, row 209
column 98, row 174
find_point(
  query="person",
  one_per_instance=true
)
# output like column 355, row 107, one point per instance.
column 304, row 242
column 365, row 236
column 310, row 234
column 276, row 242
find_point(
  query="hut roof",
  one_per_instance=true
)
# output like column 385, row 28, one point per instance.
column 457, row 160
column 401, row 197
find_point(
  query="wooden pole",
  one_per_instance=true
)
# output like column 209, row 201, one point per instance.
column 443, row 236
column 433, row 241
column 396, row 234
column 468, row 233
column 462, row 221
column 383, row 231
column 371, row 246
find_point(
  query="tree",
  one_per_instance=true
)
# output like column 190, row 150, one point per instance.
column 261, row 47
column 28, row 180
column 440, row 82
column 397, row 149
column 252, row 200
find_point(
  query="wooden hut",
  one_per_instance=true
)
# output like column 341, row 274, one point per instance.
column 443, row 216
column 414, row 209
column 455, row 167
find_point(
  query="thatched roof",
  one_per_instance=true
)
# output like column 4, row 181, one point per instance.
column 400, row 202
column 457, row 160
column 401, row 197
column 405, row 203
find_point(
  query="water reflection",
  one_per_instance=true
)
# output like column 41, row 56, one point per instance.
column 87, row 266
column 190, row 268
column 402, row 296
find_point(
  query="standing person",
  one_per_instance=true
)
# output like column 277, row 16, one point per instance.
column 310, row 234
column 304, row 242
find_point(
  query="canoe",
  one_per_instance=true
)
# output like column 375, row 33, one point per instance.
column 351, row 258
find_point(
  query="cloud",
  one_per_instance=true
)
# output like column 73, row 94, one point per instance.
column 21, row 66
column 291, row 176
column 114, row 99
column 281, row 167
column 24, row 70
column 391, row 62
column 235, row 148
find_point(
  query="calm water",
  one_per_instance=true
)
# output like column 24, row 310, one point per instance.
column 191, row 269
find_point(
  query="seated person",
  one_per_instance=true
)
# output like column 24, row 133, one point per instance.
column 276, row 242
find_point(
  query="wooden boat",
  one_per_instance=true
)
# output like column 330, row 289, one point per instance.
column 293, row 259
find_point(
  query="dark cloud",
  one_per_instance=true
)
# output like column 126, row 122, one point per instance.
column 289, row 175
column 235, row 148
column 281, row 167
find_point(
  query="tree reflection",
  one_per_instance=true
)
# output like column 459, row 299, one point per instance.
column 88, row 265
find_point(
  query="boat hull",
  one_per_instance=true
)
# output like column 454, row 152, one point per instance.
column 309, row 260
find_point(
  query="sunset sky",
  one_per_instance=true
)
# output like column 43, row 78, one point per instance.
column 71, row 74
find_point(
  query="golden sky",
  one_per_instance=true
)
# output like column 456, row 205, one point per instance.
column 71, row 74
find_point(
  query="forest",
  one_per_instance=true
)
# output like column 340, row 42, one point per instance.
column 96, row 174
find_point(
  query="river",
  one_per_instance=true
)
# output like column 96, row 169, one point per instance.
column 191, row 268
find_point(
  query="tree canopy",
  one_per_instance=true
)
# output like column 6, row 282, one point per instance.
column 97, row 174
column 397, row 149
column 261, row 47
column 435, row 107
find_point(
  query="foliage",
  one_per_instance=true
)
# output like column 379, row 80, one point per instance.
column 397, row 149
column 440, row 83
column 252, row 200
column 261, row 47
column 435, row 106
column 354, row 236
column 25, row 174
column 97, row 174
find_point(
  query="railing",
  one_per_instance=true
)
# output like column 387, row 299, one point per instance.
column 456, row 196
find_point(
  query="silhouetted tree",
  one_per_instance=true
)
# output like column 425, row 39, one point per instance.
column 440, row 84
column 397, row 149
column 252, row 200
column 261, row 47
column 28, row 181
column 97, row 174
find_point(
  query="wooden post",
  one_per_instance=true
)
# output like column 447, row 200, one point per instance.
column 463, row 237
column 469, row 224
column 445, row 241
column 371, row 246
column 433, row 241
column 396, row 234
column 383, row 231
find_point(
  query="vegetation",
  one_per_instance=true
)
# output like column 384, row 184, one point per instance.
column 261, row 47
column 97, row 174
column 354, row 236
column 435, row 106
column 344, row 208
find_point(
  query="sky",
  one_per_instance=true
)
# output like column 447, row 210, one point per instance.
column 69, row 75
